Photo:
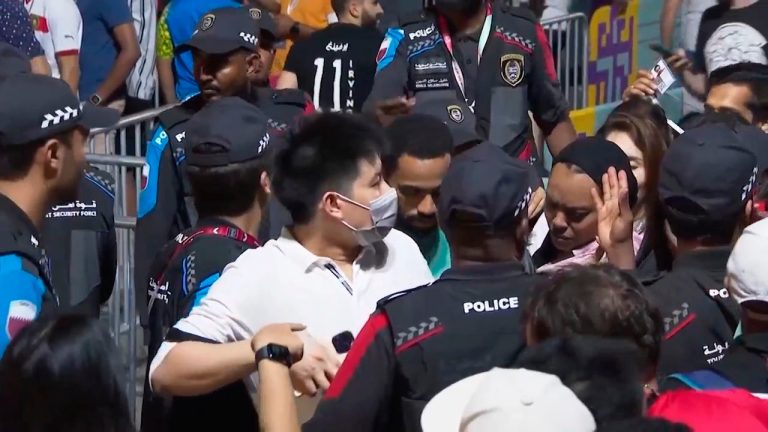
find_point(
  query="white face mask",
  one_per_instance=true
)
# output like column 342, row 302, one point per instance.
column 383, row 215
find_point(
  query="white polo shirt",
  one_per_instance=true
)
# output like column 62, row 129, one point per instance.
column 283, row 282
column 58, row 27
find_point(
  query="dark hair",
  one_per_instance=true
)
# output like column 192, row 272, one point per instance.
column 419, row 135
column 61, row 374
column 340, row 7
column 16, row 160
column 712, row 231
column 752, row 75
column 323, row 155
column 603, row 373
column 643, row 424
column 726, row 116
column 227, row 190
column 597, row 300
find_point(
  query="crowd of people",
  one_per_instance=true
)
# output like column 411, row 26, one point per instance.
column 343, row 229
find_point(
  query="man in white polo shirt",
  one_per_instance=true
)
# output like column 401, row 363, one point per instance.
column 327, row 271
column 59, row 29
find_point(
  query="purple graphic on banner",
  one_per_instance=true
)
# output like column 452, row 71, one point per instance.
column 612, row 46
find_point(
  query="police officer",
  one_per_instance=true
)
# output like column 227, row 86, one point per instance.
column 230, row 148
column 492, row 57
column 82, row 245
column 42, row 157
column 228, row 63
column 419, row 342
column 706, row 184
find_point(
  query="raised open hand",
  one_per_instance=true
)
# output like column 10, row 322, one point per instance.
column 614, row 215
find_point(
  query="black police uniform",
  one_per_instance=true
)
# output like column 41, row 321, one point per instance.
column 82, row 246
column 165, row 206
column 186, row 268
column 516, row 71
column 50, row 109
column 697, row 310
column 706, row 178
column 421, row 341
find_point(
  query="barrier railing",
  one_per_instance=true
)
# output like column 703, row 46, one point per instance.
column 568, row 36
column 118, row 150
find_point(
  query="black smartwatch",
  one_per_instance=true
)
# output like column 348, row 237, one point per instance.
column 274, row 352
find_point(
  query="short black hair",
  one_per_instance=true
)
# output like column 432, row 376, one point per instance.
column 340, row 7
column 598, row 300
column 323, row 155
column 16, row 160
column 726, row 116
column 752, row 75
column 602, row 372
column 718, row 230
column 227, row 190
column 419, row 135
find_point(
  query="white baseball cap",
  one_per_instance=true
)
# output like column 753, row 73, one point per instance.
column 507, row 399
column 747, row 270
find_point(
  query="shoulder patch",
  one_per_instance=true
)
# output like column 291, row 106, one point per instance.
column 388, row 48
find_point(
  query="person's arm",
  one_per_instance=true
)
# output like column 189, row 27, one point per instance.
column 66, row 29
column 360, row 397
column 667, row 21
column 40, row 65
column 119, row 19
column 284, row 23
column 21, row 297
column 17, row 31
column 108, row 246
column 388, row 98
column 289, row 78
column 548, row 104
column 164, row 62
column 272, row 6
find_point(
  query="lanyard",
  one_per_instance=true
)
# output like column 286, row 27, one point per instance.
column 442, row 25
column 331, row 268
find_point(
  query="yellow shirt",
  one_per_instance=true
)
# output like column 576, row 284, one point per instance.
column 314, row 13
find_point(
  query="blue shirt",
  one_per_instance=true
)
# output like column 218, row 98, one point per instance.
column 16, row 28
column 183, row 16
column 99, row 49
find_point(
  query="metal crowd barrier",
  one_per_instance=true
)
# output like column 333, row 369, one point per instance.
column 568, row 37
column 118, row 150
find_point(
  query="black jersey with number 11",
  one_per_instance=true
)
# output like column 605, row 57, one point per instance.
column 336, row 66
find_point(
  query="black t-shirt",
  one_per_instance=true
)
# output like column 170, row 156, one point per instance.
column 336, row 66
column 728, row 36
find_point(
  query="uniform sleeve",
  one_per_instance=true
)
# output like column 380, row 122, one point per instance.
column 21, row 296
column 115, row 12
column 108, row 248
column 164, row 44
column 391, row 70
column 548, row 103
column 16, row 29
column 66, row 27
column 699, row 61
column 158, row 204
column 360, row 397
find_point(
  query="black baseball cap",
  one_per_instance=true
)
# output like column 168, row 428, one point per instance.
column 484, row 187
column 46, row 107
column 227, row 130
column 447, row 108
column 226, row 29
column 12, row 61
column 707, row 175
column 264, row 20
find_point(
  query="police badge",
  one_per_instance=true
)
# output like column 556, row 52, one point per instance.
column 207, row 22
column 512, row 69
column 455, row 113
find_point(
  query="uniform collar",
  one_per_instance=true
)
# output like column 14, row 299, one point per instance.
column 301, row 255
column 216, row 221
column 715, row 258
column 485, row 271
column 10, row 208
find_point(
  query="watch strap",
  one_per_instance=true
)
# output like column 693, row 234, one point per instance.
column 274, row 352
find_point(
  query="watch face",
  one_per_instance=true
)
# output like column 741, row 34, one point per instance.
column 279, row 352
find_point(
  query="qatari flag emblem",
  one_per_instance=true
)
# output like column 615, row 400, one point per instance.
column 20, row 314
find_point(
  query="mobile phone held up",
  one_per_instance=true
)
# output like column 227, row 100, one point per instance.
column 664, row 52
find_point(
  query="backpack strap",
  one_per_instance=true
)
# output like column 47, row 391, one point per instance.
column 704, row 379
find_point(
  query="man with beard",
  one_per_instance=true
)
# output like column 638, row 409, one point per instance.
column 231, row 54
column 415, row 165
column 42, row 158
column 495, row 58
column 336, row 65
